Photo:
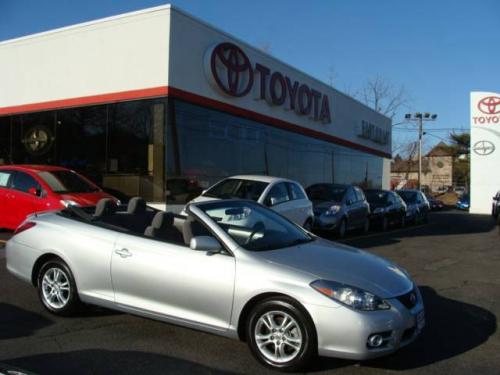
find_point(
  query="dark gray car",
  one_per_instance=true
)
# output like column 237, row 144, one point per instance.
column 418, row 206
column 386, row 208
column 339, row 208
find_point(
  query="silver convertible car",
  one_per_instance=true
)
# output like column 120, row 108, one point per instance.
column 231, row 267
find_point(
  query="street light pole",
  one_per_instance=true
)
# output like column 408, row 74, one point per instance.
column 420, row 118
column 420, row 131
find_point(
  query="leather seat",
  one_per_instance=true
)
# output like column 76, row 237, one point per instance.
column 193, row 228
column 104, row 208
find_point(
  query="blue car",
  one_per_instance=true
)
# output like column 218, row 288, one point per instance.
column 463, row 202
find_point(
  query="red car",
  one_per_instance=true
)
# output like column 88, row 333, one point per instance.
column 25, row 189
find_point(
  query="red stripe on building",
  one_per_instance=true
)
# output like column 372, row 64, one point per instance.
column 189, row 97
column 86, row 100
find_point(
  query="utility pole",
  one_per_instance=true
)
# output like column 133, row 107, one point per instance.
column 420, row 119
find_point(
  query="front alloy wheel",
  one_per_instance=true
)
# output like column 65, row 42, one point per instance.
column 280, row 335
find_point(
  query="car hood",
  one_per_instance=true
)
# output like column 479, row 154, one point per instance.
column 201, row 198
column 321, row 206
column 377, row 205
column 335, row 262
column 86, row 199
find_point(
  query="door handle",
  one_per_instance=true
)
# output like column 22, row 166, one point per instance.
column 124, row 253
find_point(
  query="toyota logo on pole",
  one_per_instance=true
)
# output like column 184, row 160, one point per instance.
column 489, row 105
column 231, row 69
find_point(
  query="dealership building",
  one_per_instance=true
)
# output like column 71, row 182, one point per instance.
column 160, row 104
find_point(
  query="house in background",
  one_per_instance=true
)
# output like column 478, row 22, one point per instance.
column 437, row 170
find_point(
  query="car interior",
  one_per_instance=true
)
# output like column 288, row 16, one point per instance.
column 137, row 218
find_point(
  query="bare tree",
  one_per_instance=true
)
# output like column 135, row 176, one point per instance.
column 383, row 96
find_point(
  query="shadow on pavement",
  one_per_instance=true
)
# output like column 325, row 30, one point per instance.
column 445, row 223
column 109, row 362
column 453, row 328
column 17, row 322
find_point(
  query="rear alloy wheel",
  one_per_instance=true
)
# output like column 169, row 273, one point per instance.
column 342, row 228
column 57, row 289
column 280, row 335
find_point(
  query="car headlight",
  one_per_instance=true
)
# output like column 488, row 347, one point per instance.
column 332, row 210
column 68, row 202
column 379, row 210
column 353, row 297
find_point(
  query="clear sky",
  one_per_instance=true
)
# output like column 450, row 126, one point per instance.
column 440, row 50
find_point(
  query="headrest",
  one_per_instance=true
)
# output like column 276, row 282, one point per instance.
column 105, row 207
column 162, row 220
column 136, row 205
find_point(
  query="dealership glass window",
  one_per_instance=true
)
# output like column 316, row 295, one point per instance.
column 135, row 160
column 81, row 140
column 206, row 145
column 5, row 140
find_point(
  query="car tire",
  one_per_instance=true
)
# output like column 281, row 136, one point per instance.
column 342, row 229
column 281, row 335
column 366, row 226
column 425, row 218
column 402, row 221
column 385, row 224
column 57, row 288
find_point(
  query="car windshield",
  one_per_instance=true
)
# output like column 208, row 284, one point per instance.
column 408, row 196
column 237, row 188
column 376, row 196
column 326, row 192
column 254, row 227
column 64, row 182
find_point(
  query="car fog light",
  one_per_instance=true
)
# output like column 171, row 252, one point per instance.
column 375, row 341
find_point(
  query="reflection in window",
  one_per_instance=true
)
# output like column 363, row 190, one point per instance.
column 4, row 140
column 207, row 146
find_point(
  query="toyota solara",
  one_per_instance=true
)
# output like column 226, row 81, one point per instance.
column 231, row 267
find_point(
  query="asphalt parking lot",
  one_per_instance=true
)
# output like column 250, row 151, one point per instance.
column 455, row 259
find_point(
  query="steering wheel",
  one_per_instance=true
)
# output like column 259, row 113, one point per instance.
column 258, row 227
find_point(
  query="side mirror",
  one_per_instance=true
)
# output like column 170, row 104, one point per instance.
column 205, row 243
column 348, row 202
column 34, row 191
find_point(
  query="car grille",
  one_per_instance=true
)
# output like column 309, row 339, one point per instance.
column 407, row 300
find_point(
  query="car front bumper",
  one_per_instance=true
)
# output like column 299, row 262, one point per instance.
column 343, row 332
column 326, row 223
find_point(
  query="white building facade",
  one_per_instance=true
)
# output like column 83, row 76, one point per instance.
column 160, row 104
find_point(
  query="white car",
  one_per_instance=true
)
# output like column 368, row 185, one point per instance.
column 287, row 197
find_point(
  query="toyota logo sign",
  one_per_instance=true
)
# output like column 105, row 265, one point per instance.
column 489, row 105
column 231, row 69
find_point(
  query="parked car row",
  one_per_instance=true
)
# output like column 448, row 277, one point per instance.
column 324, row 207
